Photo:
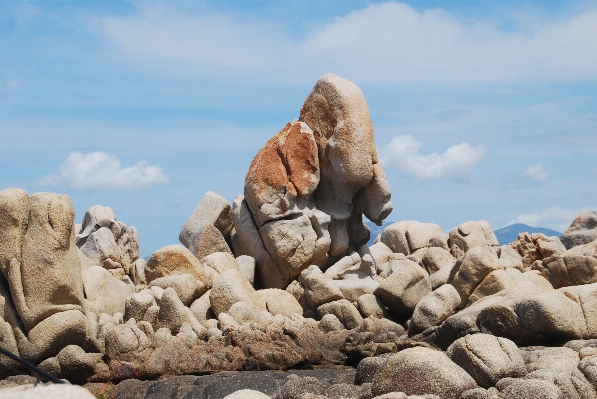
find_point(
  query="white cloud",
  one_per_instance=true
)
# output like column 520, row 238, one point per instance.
column 555, row 218
column 456, row 161
column 383, row 43
column 101, row 171
column 537, row 173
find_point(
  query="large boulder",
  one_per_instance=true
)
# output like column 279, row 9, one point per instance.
column 105, row 292
column 280, row 302
column 420, row 371
column 434, row 308
column 212, row 210
column 174, row 259
column 487, row 359
column 575, row 266
column 404, row 288
column 582, row 230
column 394, row 236
column 231, row 287
column 39, row 260
column 419, row 234
column 472, row 269
column 352, row 181
column 469, row 235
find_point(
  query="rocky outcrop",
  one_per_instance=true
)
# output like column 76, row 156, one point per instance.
column 583, row 230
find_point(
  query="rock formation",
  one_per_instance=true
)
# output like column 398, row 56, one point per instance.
column 282, row 279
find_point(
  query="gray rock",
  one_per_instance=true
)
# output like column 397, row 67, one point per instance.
column 231, row 287
column 531, row 389
column 280, row 302
column 434, row 308
column 394, row 236
column 469, row 235
column 187, row 287
column 437, row 258
column 487, row 359
column 583, row 230
column 404, row 288
column 246, row 264
column 105, row 292
column 208, row 241
column 330, row 322
column 419, row 234
column 346, row 312
column 371, row 306
column 419, row 371
column 212, row 210
column 319, row 288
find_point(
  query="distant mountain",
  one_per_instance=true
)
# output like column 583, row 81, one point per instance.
column 375, row 230
column 509, row 234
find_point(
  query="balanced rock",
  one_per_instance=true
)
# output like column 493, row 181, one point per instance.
column 212, row 210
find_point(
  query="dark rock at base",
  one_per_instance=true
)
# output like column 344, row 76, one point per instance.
column 171, row 388
column 264, row 382
column 128, row 389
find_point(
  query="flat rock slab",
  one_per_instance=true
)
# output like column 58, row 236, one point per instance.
column 219, row 385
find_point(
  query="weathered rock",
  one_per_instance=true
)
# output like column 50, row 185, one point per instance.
column 434, row 308
column 575, row 266
column 548, row 246
column 330, row 322
column 437, row 258
column 138, row 272
column 419, row 371
column 137, row 305
column 320, row 288
column 371, row 306
column 419, row 234
column 187, row 287
column 474, row 267
column 525, row 246
column 220, row 262
column 280, row 302
column 510, row 258
column 212, row 210
column 583, row 230
column 469, row 235
column 369, row 367
column 549, row 358
column 404, row 288
column 106, row 293
column 95, row 218
column 380, row 253
column 172, row 260
column 231, row 287
column 570, row 381
column 76, row 365
column 503, row 279
column 337, row 112
column 531, row 388
column 246, row 264
column 487, row 359
column 268, row 273
column 102, row 249
column 394, row 236
column 201, row 308
column 278, row 190
column 208, row 241
column 346, row 312
column 529, row 319
column 440, row 241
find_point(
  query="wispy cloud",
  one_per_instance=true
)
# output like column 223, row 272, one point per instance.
column 403, row 154
column 103, row 172
column 537, row 173
column 383, row 43
column 555, row 218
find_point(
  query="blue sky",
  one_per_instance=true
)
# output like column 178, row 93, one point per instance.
column 481, row 109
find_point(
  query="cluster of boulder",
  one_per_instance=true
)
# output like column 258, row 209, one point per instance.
column 282, row 279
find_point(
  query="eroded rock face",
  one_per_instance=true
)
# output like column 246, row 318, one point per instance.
column 39, row 260
column 308, row 188
column 583, row 230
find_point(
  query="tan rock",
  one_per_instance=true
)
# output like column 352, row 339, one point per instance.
column 137, row 305
column 172, row 311
column 220, row 262
column 353, row 288
column 106, row 293
column 404, row 288
column 434, row 308
column 487, row 359
column 208, row 241
column 172, row 260
column 201, row 308
column 583, row 230
column 525, row 246
column 187, row 287
column 319, row 288
column 370, row 306
column 471, row 234
column 437, row 258
column 474, row 267
column 231, row 287
column 330, row 322
column 280, row 302
column 345, row 311
column 510, row 258
column 394, row 236
column 575, row 266
column 548, row 246
column 420, row 371
column 419, row 234
column 508, row 279
column 246, row 264
column 337, row 112
column 212, row 210
column 251, row 243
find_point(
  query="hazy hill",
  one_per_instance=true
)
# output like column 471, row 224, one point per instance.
column 509, row 234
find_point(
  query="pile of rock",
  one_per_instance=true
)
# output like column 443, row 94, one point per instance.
column 282, row 279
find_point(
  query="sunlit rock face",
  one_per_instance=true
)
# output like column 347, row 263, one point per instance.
column 309, row 186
